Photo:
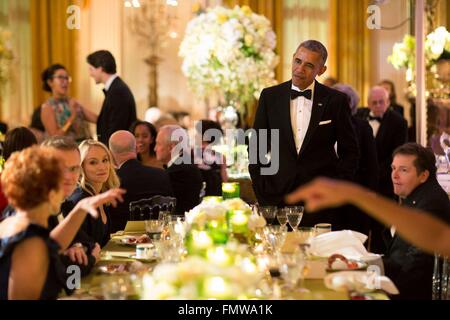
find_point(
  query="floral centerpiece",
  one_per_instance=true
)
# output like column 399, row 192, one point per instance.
column 437, row 47
column 6, row 55
column 215, row 222
column 201, row 278
column 229, row 52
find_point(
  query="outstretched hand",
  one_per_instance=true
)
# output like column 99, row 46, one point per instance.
column 323, row 193
column 91, row 204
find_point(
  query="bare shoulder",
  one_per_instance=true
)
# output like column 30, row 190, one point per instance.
column 13, row 225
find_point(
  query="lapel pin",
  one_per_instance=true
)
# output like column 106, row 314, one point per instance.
column 319, row 104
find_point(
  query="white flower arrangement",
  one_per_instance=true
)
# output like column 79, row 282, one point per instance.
column 199, row 278
column 208, row 211
column 229, row 52
column 437, row 46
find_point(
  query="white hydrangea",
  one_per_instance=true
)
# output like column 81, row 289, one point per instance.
column 229, row 52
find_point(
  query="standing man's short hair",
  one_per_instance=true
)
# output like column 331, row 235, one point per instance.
column 315, row 46
column 425, row 159
column 104, row 59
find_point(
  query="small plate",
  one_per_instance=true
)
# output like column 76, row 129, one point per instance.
column 152, row 259
column 360, row 266
column 122, row 268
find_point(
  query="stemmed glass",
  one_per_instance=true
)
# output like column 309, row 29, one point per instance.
column 290, row 269
column 282, row 217
column 294, row 216
column 275, row 236
column 268, row 212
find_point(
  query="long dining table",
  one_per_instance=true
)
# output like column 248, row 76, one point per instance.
column 115, row 253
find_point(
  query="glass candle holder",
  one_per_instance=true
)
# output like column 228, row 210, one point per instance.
column 230, row 190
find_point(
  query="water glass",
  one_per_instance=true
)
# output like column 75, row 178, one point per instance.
column 322, row 228
column 154, row 228
column 275, row 236
column 290, row 269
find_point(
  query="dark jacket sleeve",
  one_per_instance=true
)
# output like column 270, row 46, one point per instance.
column 82, row 235
column 347, row 144
column 255, row 165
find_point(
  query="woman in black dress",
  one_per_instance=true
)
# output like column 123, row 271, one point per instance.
column 97, row 176
column 30, row 266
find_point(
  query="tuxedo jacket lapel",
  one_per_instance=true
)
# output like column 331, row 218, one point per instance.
column 316, row 114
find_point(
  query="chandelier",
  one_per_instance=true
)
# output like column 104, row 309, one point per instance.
column 154, row 22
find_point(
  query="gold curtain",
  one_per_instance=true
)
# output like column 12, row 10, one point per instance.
column 52, row 41
column 272, row 10
column 352, row 46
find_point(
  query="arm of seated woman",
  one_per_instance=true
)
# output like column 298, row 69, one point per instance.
column 29, row 267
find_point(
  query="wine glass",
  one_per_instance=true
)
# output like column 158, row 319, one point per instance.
column 294, row 216
column 268, row 212
column 282, row 217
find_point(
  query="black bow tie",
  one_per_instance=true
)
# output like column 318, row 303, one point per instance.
column 295, row 94
column 375, row 118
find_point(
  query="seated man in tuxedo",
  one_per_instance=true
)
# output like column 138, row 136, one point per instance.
column 140, row 182
column 414, row 179
column 172, row 150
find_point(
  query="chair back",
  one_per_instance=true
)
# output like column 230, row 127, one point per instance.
column 149, row 208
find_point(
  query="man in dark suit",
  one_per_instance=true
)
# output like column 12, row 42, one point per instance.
column 367, row 172
column 140, row 182
column 119, row 108
column 186, row 179
column 390, row 131
column 414, row 180
column 310, row 118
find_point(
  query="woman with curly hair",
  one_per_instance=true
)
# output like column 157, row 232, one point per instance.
column 30, row 265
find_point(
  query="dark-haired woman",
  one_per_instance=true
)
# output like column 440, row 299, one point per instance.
column 212, row 164
column 15, row 140
column 145, row 134
column 62, row 115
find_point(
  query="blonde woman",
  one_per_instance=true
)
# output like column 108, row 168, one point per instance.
column 97, row 176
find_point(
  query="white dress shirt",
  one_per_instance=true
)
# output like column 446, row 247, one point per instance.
column 301, row 109
column 110, row 81
column 375, row 124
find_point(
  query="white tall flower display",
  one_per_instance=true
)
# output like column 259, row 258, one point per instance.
column 229, row 52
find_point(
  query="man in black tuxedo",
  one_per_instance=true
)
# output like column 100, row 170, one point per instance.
column 186, row 179
column 414, row 180
column 367, row 172
column 140, row 182
column 390, row 131
column 310, row 118
column 119, row 108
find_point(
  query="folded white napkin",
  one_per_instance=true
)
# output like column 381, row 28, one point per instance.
column 346, row 242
